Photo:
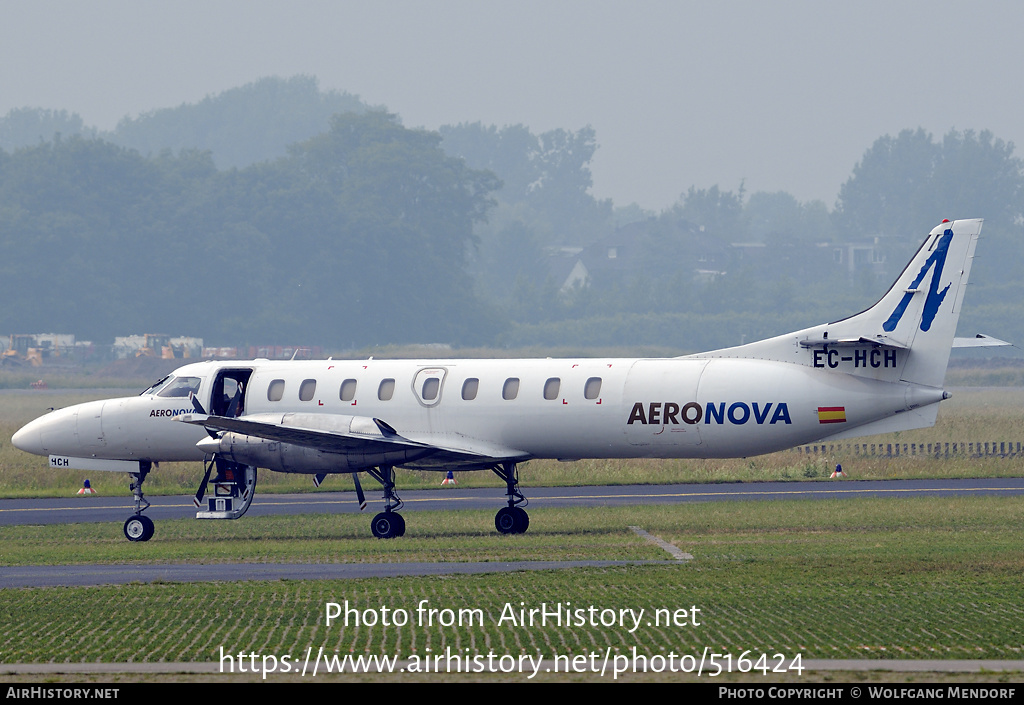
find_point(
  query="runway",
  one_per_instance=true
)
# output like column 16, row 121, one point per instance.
column 108, row 509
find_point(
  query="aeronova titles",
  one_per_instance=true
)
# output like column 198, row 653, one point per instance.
column 170, row 412
column 738, row 413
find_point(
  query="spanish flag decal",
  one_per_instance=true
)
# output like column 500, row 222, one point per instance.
column 831, row 414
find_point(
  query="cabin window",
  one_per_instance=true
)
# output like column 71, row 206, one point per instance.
column 430, row 387
column 469, row 388
column 551, row 388
column 348, row 390
column 276, row 390
column 510, row 390
column 307, row 389
column 592, row 389
column 386, row 390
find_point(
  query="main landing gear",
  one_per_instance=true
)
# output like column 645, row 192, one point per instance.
column 388, row 524
column 512, row 519
column 139, row 527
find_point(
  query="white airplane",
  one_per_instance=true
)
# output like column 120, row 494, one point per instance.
column 879, row 371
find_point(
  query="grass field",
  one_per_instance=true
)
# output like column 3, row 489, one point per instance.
column 873, row 578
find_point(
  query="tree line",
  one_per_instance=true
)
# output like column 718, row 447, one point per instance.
column 341, row 227
column 358, row 236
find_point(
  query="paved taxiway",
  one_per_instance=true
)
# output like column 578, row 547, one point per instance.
column 109, row 509
column 116, row 509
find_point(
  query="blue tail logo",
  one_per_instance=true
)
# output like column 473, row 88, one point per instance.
column 935, row 297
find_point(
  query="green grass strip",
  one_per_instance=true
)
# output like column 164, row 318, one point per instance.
column 873, row 578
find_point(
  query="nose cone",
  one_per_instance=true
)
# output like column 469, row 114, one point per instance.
column 29, row 439
column 52, row 434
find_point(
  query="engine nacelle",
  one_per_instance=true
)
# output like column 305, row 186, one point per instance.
column 289, row 457
column 362, row 446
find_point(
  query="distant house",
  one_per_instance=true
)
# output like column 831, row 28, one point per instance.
column 659, row 249
column 860, row 256
column 653, row 248
column 802, row 260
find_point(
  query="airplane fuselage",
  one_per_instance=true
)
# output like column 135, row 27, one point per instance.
column 530, row 408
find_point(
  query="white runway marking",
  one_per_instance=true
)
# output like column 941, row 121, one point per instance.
column 675, row 552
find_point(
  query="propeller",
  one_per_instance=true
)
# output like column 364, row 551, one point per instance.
column 319, row 478
column 201, row 492
column 195, row 403
column 236, row 400
column 359, row 492
column 200, row 410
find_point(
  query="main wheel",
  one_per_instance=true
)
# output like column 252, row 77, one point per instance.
column 505, row 520
column 138, row 528
column 522, row 520
column 512, row 520
column 387, row 525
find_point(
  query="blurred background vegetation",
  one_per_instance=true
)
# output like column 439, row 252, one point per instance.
column 277, row 212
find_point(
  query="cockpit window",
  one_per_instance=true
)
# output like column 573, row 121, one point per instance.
column 158, row 385
column 180, row 387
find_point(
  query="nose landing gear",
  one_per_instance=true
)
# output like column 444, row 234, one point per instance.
column 388, row 524
column 512, row 519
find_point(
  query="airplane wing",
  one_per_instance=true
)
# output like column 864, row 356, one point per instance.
column 361, row 435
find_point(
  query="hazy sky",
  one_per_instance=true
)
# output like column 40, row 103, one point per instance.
column 784, row 95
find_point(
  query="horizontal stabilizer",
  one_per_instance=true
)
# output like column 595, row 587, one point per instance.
column 979, row 341
column 878, row 341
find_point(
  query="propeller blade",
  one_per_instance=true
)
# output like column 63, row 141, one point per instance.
column 236, row 400
column 201, row 492
column 195, row 404
column 359, row 492
column 200, row 410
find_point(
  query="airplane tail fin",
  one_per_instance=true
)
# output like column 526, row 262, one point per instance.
column 907, row 335
column 919, row 313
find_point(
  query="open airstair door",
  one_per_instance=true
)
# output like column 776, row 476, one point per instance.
column 228, row 395
column 234, row 484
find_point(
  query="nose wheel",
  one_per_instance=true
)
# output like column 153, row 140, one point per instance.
column 138, row 528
